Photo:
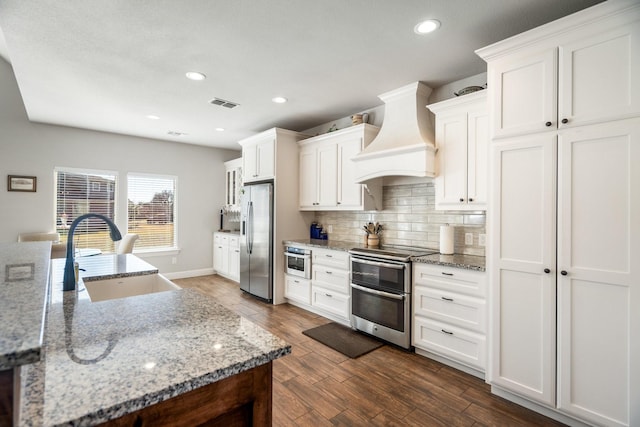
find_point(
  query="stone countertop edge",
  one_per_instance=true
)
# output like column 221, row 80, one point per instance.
column 24, row 278
column 467, row 262
column 58, row 391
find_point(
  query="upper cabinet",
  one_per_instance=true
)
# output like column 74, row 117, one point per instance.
column 327, row 180
column 258, row 157
column 462, row 138
column 588, row 76
column 233, row 182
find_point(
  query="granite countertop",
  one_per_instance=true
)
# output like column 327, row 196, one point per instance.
column 106, row 359
column 108, row 266
column 468, row 262
column 24, row 270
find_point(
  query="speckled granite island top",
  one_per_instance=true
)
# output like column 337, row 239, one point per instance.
column 469, row 262
column 24, row 269
column 107, row 359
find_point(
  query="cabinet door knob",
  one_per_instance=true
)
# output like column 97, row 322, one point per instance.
column 564, row 273
column 548, row 124
column 565, row 121
column 470, row 199
column 546, row 270
column 461, row 199
column 338, row 203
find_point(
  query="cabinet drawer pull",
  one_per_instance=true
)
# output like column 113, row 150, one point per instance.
column 447, row 274
column 295, row 281
column 328, row 295
column 329, row 272
column 329, row 256
column 447, row 299
column 446, row 332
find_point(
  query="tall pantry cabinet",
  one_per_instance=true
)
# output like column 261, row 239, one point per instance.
column 564, row 216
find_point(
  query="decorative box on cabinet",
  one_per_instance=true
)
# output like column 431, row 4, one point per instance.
column 449, row 316
column 327, row 180
column 462, row 139
column 563, row 240
column 226, row 255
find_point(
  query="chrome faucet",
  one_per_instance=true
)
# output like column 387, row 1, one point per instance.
column 69, row 281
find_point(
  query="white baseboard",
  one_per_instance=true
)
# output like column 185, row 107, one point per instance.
column 189, row 273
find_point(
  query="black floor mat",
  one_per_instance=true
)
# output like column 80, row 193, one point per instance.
column 343, row 339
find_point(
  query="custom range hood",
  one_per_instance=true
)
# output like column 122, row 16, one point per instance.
column 405, row 144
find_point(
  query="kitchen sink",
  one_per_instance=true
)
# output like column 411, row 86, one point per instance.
column 122, row 287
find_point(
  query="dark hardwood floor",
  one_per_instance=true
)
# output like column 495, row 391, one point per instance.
column 317, row 386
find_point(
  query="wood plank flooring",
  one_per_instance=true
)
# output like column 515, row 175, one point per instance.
column 317, row 386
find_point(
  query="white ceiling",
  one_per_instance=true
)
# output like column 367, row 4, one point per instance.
column 105, row 65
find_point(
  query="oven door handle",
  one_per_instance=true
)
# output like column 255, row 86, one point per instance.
column 292, row 255
column 378, row 264
column 380, row 293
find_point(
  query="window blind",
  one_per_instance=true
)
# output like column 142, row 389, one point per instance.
column 79, row 192
column 151, row 210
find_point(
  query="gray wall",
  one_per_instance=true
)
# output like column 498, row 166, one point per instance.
column 35, row 149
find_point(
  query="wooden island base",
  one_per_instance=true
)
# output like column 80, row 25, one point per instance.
column 241, row 400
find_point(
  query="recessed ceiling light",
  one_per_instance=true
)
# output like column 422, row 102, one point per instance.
column 220, row 129
column 195, row 75
column 152, row 117
column 279, row 100
column 427, row 26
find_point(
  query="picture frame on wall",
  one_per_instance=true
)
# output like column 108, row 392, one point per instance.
column 21, row 183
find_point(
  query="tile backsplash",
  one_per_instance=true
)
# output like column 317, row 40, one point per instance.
column 408, row 217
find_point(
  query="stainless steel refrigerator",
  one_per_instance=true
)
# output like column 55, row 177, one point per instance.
column 256, row 240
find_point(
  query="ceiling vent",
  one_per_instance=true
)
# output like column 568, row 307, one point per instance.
column 223, row 103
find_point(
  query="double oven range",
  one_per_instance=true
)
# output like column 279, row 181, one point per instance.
column 381, row 292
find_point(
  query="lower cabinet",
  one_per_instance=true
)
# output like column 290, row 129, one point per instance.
column 327, row 292
column 226, row 255
column 450, row 316
column 297, row 289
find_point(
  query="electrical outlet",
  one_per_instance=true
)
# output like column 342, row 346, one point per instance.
column 482, row 240
column 174, row 260
column 330, row 229
column 468, row 238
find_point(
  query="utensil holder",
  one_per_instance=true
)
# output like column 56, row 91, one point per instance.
column 373, row 241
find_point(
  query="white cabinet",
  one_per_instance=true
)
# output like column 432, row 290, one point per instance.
column 258, row 158
column 273, row 155
column 327, row 293
column 588, row 75
column 297, row 289
column 564, row 239
column 233, row 178
column 330, row 284
column 462, row 138
column 450, row 315
column 327, row 180
column 226, row 255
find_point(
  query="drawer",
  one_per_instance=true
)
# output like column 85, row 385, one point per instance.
column 331, row 278
column 221, row 239
column 234, row 241
column 467, row 282
column 455, row 309
column 297, row 289
column 451, row 342
column 330, row 301
column 329, row 258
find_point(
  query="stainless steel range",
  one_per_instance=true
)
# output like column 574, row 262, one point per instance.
column 381, row 291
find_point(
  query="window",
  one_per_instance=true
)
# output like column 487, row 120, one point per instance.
column 152, row 210
column 79, row 192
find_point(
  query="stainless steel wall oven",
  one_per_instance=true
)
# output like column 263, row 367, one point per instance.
column 381, row 293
